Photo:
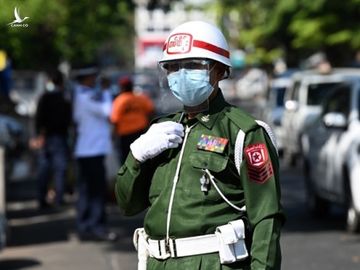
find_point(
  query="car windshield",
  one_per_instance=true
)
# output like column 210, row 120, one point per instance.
column 318, row 91
column 24, row 83
column 280, row 92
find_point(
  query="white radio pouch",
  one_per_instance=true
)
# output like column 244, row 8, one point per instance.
column 231, row 238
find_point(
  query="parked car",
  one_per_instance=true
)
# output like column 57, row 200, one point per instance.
column 273, row 111
column 11, row 142
column 302, row 105
column 27, row 88
column 331, row 152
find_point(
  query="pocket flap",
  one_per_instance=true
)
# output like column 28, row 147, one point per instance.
column 239, row 228
column 206, row 160
column 227, row 234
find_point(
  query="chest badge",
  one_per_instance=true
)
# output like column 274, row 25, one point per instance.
column 205, row 118
column 212, row 143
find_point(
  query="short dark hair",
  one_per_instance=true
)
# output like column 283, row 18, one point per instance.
column 126, row 84
column 57, row 78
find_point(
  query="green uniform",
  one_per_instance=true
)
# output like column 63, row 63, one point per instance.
column 195, row 212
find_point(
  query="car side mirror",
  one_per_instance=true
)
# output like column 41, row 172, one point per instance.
column 291, row 105
column 335, row 120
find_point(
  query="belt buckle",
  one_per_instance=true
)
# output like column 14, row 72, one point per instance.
column 164, row 249
column 171, row 247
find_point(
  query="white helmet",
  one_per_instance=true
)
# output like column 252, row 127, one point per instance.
column 196, row 39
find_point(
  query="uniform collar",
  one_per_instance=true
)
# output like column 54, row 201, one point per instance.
column 209, row 117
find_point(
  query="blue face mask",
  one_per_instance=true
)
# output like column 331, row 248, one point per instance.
column 191, row 86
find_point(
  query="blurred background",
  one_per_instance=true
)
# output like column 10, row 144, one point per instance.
column 296, row 65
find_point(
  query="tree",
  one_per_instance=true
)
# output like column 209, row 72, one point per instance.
column 267, row 29
column 77, row 31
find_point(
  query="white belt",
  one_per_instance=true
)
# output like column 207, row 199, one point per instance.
column 182, row 247
column 228, row 240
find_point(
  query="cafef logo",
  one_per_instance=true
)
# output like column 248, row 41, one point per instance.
column 179, row 43
column 18, row 22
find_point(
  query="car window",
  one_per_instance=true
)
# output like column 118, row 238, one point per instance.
column 24, row 83
column 280, row 96
column 295, row 93
column 317, row 92
column 277, row 96
column 339, row 100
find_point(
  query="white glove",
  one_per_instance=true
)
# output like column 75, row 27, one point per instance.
column 157, row 139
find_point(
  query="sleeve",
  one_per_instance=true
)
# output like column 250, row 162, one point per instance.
column 260, row 179
column 99, row 108
column 132, row 186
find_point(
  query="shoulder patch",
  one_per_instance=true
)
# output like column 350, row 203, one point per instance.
column 259, row 166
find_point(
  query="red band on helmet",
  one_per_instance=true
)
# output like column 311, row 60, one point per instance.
column 206, row 46
column 210, row 47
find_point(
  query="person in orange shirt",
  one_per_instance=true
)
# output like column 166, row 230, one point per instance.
column 130, row 115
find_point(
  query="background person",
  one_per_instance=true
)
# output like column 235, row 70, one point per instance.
column 52, row 125
column 130, row 115
column 93, row 142
column 180, row 167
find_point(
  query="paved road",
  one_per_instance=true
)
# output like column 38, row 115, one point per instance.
column 46, row 240
column 312, row 243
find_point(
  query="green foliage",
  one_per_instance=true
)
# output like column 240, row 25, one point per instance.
column 294, row 28
column 78, row 31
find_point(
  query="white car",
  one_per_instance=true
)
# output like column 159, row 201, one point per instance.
column 273, row 111
column 331, row 149
column 303, row 104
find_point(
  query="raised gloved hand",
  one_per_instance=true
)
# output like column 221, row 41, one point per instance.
column 158, row 138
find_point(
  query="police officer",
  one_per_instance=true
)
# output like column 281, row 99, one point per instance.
column 208, row 175
column 93, row 142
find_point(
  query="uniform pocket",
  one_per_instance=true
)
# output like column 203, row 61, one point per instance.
column 216, row 164
column 208, row 160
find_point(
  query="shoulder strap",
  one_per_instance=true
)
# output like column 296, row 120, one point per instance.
column 269, row 131
column 241, row 119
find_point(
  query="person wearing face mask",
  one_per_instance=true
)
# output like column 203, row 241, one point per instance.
column 208, row 175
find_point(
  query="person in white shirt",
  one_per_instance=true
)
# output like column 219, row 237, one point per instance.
column 93, row 142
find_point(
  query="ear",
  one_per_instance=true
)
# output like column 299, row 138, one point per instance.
column 220, row 71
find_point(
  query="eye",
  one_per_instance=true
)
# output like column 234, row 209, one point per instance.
column 172, row 67
column 194, row 65
column 190, row 65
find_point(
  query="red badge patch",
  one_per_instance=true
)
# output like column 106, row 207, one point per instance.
column 258, row 164
column 179, row 43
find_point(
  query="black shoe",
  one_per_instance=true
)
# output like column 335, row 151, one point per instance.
column 43, row 205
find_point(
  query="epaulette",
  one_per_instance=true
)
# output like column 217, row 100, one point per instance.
column 240, row 118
